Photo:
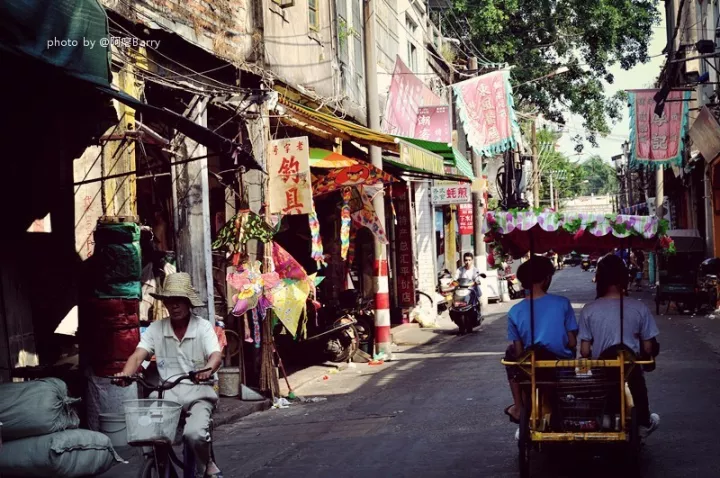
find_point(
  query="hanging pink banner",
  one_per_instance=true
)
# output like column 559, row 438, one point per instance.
column 657, row 140
column 407, row 93
column 433, row 124
column 486, row 108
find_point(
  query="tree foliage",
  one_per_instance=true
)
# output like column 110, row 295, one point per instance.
column 539, row 36
column 571, row 179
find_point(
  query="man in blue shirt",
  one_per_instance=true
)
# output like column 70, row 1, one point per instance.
column 555, row 334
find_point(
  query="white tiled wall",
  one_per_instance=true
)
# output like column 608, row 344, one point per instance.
column 425, row 240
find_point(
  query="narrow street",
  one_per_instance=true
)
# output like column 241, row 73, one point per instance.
column 437, row 411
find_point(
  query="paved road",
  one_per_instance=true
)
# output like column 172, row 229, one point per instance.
column 437, row 411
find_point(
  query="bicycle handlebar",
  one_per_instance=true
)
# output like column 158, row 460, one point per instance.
column 165, row 384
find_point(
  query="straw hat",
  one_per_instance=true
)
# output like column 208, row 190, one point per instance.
column 179, row 285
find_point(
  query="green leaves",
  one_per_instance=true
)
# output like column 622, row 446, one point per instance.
column 538, row 36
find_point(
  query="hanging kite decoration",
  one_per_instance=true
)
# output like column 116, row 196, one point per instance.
column 345, row 223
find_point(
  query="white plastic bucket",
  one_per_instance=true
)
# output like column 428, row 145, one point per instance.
column 229, row 381
column 113, row 425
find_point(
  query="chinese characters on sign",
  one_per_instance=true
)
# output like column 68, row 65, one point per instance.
column 407, row 93
column 485, row 105
column 458, row 193
column 465, row 219
column 290, row 184
column 433, row 124
column 657, row 138
column 404, row 244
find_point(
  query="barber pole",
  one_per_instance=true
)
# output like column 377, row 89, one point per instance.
column 382, row 307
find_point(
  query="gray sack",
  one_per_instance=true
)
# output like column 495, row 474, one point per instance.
column 38, row 407
column 72, row 453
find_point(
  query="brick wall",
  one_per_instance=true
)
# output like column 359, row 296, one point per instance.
column 425, row 234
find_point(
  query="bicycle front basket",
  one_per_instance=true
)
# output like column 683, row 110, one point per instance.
column 151, row 420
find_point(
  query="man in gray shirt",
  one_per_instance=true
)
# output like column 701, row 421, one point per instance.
column 600, row 331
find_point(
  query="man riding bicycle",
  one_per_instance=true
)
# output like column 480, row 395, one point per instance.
column 181, row 344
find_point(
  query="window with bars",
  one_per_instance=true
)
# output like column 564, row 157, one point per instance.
column 313, row 14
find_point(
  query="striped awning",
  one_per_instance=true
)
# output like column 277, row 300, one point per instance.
column 453, row 158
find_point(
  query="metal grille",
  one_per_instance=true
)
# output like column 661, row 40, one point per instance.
column 582, row 399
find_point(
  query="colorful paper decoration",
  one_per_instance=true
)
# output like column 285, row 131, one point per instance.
column 345, row 223
column 243, row 226
column 316, row 241
column 289, row 303
column 366, row 217
column 356, row 175
column 285, row 265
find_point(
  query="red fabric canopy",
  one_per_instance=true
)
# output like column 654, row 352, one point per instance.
column 518, row 243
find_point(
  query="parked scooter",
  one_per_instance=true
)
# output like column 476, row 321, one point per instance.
column 465, row 310
column 515, row 290
column 445, row 289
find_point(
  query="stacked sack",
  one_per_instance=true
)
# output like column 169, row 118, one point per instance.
column 110, row 317
column 40, row 435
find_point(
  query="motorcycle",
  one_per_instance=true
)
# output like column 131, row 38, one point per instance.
column 465, row 309
column 585, row 264
column 515, row 290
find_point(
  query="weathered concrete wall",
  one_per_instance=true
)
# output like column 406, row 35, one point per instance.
column 223, row 27
column 306, row 56
column 295, row 51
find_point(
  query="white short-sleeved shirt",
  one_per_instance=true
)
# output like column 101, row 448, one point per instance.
column 176, row 357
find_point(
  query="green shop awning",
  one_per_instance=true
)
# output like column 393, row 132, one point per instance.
column 394, row 166
column 71, row 37
column 451, row 155
column 66, row 34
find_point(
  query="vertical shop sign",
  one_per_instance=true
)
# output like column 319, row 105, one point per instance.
column 465, row 218
column 404, row 247
column 289, row 168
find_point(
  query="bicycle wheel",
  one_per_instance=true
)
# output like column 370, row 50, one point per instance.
column 148, row 469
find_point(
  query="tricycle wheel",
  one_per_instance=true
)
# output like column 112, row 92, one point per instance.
column 524, row 443
column 634, row 444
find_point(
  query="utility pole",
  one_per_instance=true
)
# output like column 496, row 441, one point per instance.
column 380, row 270
column 552, row 192
column 536, row 171
column 478, row 209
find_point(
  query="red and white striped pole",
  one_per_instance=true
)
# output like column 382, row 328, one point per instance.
column 382, row 298
column 383, row 342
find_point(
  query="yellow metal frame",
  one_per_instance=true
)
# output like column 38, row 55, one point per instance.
column 529, row 364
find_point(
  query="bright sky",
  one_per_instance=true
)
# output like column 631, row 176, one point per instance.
column 642, row 76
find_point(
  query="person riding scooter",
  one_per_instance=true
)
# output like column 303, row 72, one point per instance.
column 465, row 309
column 585, row 262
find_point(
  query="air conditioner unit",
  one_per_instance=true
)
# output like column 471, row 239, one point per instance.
column 691, row 68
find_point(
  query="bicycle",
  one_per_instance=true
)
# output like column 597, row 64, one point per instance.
column 160, row 458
